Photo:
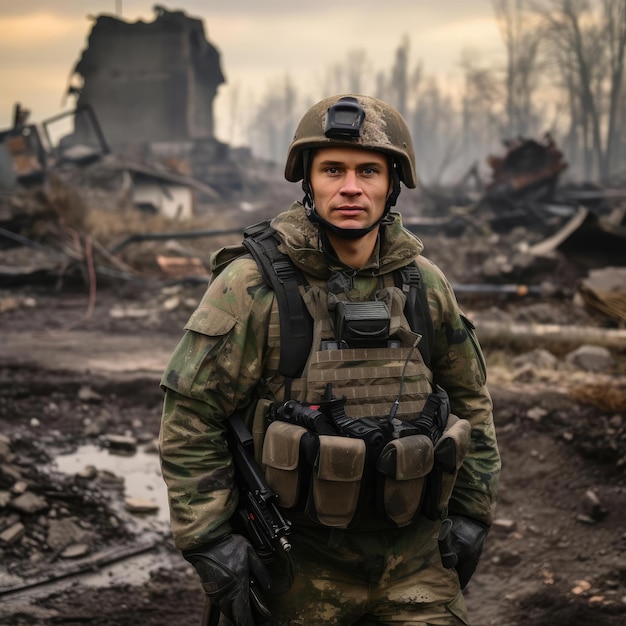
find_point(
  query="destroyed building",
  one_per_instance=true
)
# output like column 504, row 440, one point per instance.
column 149, row 82
column 152, row 86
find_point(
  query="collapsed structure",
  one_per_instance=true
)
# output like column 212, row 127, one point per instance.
column 144, row 95
column 149, row 82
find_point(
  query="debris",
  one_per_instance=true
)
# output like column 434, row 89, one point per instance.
column 75, row 551
column 491, row 332
column 139, row 505
column 604, row 290
column 29, row 503
column 581, row 586
column 504, row 525
column 591, row 358
column 592, row 506
column 527, row 165
column 121, row 442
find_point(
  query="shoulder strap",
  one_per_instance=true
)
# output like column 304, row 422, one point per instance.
column 416, row 309
column 296, row 324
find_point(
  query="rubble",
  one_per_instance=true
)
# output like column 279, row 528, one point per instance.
column 547, row 311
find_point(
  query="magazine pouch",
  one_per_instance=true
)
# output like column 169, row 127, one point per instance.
column 336, row 483
column 289, row 452
column 450, row 451
column 402, row 468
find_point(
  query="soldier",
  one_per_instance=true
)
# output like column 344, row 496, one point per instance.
column 366, row 517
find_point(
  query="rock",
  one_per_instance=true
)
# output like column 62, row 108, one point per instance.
column 76, row 550
column 504, row 525
column 539, row 359
column 29, row 503
column 139, row 505
column 121, row 442
column 65, row 532
column 536, row 414
column 592, row 506
column 89, row 472
column 5, row 450
column 12, row 534
column 86, row 394
column 591, row 358
column 19, row 488
column 5, row 498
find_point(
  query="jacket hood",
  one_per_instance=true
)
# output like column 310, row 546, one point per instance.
column 301, row 240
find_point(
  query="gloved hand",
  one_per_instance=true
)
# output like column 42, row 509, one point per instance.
column 468, row 539
column 232, row 576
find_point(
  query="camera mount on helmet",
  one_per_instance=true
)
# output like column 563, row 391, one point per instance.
column 344, row 119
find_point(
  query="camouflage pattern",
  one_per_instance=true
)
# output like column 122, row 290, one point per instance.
column 228, row 359
column 393, row 576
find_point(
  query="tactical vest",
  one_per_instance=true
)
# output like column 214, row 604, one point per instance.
column 296, row 321
column 369, row 475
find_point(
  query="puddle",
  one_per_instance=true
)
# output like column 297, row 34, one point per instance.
column 142, row 478
column 141, row 473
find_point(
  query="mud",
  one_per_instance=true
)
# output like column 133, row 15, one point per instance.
column 70, row 384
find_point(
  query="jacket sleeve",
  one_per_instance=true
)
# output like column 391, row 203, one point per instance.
column 211, row 374
column 459, row 367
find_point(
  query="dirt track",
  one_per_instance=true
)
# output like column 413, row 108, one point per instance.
column 555, row 556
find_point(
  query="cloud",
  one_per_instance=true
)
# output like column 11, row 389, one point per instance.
column 260, row 43
column 38, row 30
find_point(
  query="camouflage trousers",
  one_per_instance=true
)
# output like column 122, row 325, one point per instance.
column 363, row 578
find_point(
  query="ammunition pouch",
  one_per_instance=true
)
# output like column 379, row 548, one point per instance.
column 449, row 453
column 337, row 481
column 367, row 470
column 403, row 466
column 289, row 453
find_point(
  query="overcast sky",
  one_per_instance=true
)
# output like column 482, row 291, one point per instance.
column 259, row 42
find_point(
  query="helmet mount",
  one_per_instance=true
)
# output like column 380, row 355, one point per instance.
column 356, row 121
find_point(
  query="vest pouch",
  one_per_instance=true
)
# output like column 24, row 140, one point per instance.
column 449, row 454
column 289, row 452
column 402, row 468
column 337, row 477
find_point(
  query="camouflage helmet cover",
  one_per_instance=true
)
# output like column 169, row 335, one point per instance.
column 383, row 130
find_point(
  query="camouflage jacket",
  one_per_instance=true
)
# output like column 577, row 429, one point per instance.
column 228, row 357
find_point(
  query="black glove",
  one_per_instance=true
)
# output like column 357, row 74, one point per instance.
column 232, row 576
column 468, row 539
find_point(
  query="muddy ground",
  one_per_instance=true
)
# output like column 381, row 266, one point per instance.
column 75, row 378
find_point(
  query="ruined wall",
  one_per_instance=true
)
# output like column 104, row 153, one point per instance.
column 152, row 81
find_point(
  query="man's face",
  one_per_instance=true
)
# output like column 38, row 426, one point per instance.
column 350, row 186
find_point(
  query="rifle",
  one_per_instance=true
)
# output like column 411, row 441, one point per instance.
column 258, row 517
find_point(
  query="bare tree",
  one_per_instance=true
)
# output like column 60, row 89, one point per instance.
column 399, row 84
column 273, row 124
column 521, row 40
column 356, row 70
column 589, row 41
column 481, row 109
column 615, row 27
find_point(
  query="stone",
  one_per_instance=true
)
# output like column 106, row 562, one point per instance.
column 29, row 502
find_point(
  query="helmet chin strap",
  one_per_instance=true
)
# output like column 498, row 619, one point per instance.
column 348, row 233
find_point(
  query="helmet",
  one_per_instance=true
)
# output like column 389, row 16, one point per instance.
column 353, row 121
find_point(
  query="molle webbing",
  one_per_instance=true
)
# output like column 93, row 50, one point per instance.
column 369, row 379
column 296, row 324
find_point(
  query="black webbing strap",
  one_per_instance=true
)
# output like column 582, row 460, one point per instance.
column 416, row 308
column 296, row 324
